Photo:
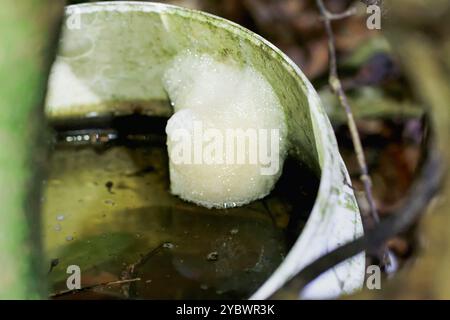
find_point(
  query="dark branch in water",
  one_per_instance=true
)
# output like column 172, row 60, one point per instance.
column 423, row 191
column 131, row 270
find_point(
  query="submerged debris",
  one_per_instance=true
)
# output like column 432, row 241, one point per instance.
column 53, row 264
column 168, row 245
column 109, row 185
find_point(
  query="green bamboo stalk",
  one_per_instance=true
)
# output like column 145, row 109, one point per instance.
column 28, row 32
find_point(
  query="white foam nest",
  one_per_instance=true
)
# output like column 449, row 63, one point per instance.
column 219, row 108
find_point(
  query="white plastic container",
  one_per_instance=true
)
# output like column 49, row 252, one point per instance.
column 96, row 71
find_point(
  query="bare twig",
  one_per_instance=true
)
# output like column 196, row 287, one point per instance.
column 369, row 220
column 128, row 277
column 338, row 16
column 95, row 286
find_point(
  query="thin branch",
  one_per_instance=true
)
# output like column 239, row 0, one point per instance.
column 131, row 271
column 95, row 286
column 336, row 85
column 421, row 194
column 128, row 277
column 339, row 16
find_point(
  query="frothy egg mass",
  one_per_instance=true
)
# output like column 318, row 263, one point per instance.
column 227, row 137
